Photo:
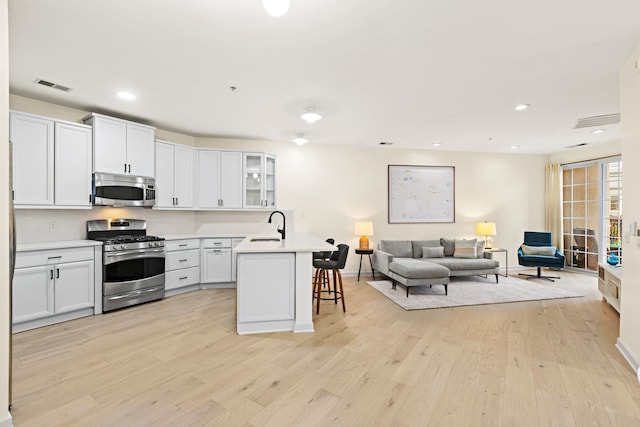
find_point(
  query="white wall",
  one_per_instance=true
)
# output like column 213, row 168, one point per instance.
column 630, row 294
column 329, row 188
column 5, row 417
column 589, row 152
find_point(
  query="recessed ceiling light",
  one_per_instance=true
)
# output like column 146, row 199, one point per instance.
column 598, row 131
column 276, row 7
column 436, row 144
column 515, row 147
column 300, row 139
column 311, row 115
column 522, row 107
column 126, row 95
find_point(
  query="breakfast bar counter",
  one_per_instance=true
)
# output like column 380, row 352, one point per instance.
column 274, row 282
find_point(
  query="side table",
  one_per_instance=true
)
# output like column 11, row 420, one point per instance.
column 506, row 259
column 367, row 252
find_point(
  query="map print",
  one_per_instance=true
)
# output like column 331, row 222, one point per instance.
column 421, row 194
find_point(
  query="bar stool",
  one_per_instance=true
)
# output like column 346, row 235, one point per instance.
column 322, row 256
column 335, row 263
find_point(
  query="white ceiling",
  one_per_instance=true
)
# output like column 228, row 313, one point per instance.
column 413, row 72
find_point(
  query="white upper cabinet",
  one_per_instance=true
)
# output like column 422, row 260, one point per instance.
column 174, row 175
column 122, row 147
column 73, row 157
column 219, row 178
column 259, row 181
column 51, row 162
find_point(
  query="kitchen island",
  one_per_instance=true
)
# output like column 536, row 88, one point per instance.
column 274, row 282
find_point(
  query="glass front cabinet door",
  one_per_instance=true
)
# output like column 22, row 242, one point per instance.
column 259, row 181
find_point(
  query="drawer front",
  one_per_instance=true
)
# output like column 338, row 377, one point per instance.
column 182, row 259
column 57, row 256
column 181, row 245
column 611, row 289
column 216, row 243
column 601, row 286
column 180, row 278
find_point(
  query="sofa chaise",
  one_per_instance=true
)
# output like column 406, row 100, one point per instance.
column 432, row 262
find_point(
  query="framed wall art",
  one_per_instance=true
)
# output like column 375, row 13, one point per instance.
column 421, row 194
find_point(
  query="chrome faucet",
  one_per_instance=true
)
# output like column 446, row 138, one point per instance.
column 284, row 223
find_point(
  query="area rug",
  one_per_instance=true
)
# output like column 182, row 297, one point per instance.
column 470, row 291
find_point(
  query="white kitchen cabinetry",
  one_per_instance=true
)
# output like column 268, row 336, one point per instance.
column 259, row 181
column 51, row 162
column 219, row 179
column 122, row 147
column 182, row 265
column 55, row 285
column 266, row 292
column 234, row 257
column 216, row 260
column 174, row 175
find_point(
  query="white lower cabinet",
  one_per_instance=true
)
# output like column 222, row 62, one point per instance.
column 182, row 263
column 216, row 260
column 55, row 285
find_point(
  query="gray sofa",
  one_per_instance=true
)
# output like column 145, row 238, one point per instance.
column 420, row 262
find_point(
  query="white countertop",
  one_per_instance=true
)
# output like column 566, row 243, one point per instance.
column 25, row 247
column 295, row 242
column 205, row 236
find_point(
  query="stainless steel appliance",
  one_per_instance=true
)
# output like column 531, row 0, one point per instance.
column 123, row 190
column 133, row 262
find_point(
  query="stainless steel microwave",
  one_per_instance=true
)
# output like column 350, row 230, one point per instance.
column 123, row 190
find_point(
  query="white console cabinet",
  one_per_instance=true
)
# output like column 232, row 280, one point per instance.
column 610, row 284
column 54, row 285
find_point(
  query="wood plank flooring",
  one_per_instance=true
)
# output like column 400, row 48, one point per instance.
column 179, row 362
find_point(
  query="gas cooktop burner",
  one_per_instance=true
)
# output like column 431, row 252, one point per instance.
column 129, row 239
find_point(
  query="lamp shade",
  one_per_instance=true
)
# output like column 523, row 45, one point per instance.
column 364, row 228
column 486, row 228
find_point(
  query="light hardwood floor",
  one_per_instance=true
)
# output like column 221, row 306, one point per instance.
column 179, row 362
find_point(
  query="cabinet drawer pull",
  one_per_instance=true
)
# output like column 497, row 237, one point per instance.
column 55, row 257
column 51, row 274
column 182, row 245
column 184, row 277
column 217, row 244
column 57, row 273
column 183, row 260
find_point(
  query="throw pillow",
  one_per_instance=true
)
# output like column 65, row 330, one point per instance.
column 481, row 245
column 466, row 248
column 539, row 250
column 419, row 244
column 449, row 246
column 433, row 252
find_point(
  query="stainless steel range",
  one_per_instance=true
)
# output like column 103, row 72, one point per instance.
column 133, row 262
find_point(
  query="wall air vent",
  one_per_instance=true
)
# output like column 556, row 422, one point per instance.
column 607, row 119
column 52, row 85
column 582, row 144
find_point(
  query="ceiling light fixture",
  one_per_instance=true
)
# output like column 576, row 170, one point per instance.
column 597, row 131
column 300, row 139
column 522, row 107
column 126, row 95
column 276, row 7
column 515, row 147
column 311, row 115
column 436, row 144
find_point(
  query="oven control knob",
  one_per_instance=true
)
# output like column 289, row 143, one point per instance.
column 123, row 246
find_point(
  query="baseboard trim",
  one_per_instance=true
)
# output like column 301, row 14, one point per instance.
column 7, row 421
column 629, row 357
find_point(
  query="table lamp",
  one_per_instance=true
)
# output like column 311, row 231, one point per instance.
column 364, row 229
column 486, row 229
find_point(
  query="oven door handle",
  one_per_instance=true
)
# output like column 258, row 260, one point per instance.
column 134, row 294
column 110, row 258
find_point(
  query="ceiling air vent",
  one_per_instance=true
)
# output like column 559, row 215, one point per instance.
column 53, row 85
column 582, row 144
column 607, row 119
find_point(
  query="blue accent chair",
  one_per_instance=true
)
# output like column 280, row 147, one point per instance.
column 556, row 261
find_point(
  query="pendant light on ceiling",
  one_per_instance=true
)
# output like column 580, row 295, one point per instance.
column 311, row 115
column 276, row 7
